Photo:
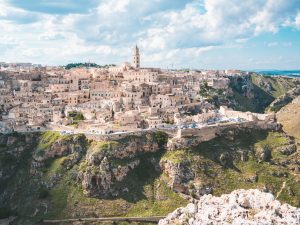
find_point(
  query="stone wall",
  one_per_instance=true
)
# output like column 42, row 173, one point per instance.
column 247, row 115
column 118, row 136
column 194, row 136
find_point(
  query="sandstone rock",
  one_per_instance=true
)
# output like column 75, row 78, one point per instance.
column 279, row 174
column 224, row 159
column 204, row 191
column 288, row 150
column 103, row 169
column 264, row 154
column 290, row 191
column 179, row 175
column 121, row 171
column 240, row 207
column 252, row 179
column 98, row 180
column 243, row 156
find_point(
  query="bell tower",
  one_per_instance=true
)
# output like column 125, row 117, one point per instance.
column 136, row 57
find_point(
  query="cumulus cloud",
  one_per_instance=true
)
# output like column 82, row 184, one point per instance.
column 167, row 30
column 223, row 20
column 297, row 21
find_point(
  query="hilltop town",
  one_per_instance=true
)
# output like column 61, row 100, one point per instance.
column 91, row 141
column 109, row 100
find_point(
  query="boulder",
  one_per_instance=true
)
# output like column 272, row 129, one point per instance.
column 240, row 207
column 179, row 174
column 224, row 159
column 289, row 149
column 264, row 153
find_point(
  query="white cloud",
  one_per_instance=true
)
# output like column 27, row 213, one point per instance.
column 272, row 44
column 178, row 31
column 297, row 20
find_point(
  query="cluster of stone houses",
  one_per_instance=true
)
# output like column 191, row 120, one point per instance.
column 114, row 99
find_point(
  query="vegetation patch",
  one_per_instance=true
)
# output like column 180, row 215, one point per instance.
column 56, row 167
column 75, row 117
column 273, row 140
column 288, row 117
column 176, row 156
column 161, row 138
column 249, row 172
column 86, row 65
column 46, row 139
column 5, row 212
column 102, row 146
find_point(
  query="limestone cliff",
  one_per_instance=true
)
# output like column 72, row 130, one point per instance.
column 237, row 158
column 107, row 163
column 255, row 92
column 48, row 175
column 240, row 207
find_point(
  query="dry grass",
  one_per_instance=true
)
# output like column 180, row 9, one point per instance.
column 289, row 117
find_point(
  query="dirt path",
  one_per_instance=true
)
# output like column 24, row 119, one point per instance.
column 153, row 219
column 281, row 189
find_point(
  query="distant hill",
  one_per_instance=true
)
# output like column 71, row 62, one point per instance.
column 265, row 89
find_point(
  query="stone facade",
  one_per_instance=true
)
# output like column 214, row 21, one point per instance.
column 117, row 99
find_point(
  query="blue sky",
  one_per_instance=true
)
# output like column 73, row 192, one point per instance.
column 208, row 34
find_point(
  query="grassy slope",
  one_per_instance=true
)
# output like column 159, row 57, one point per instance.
column 279, row 85
column 67, row 199
column 289, row 117
column 209, row 172
column 148, row 194
column 263, row 96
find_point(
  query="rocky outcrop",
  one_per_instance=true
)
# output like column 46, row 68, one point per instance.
column 98, row 180
column 179, row 174
column 225, row 159
column 240, row 207
column 263, row 153
column 64, row 146
column 285, row 99
column 108, row 163
column 127, row 147
column 288, row 150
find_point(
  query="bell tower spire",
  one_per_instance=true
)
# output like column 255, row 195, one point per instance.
column 136, row 57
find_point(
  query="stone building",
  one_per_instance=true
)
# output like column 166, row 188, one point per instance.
column 136, row 57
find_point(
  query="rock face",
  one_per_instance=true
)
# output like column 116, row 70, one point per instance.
column 108, row 163
column 285, row 99
column 240, row 207
column 264, row 154
column 98, row 181
column 289, row 150
column 179, row 174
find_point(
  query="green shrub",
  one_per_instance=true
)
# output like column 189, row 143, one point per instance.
column 4, row 212
column 76, row 115
column 161, row 138
column 43, row 193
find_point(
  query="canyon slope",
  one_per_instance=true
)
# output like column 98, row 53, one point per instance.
column 47, row 175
